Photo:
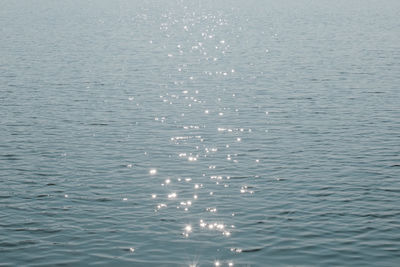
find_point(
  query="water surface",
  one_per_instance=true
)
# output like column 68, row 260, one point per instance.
column 202, row 133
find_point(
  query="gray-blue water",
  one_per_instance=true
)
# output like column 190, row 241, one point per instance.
column 200, row 133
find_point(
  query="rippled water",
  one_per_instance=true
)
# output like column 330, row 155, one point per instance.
column 177, row 133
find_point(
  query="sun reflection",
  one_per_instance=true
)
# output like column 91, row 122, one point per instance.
column 187, row 230
column 236, row 250
column 211, row 210
column 181, row 192
column 160, row 206
column 172, row 195
column 197, row 186
column 192, row 159
column 186, row 203
column 245, row 189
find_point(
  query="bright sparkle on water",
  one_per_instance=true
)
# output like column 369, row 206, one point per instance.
column 172, row 195
column 188, row 228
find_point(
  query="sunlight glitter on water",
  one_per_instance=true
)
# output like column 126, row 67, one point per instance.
column 180, row 126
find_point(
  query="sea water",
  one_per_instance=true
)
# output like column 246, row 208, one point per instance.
column 200, row 133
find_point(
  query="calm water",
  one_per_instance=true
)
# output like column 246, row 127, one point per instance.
column 201, row 133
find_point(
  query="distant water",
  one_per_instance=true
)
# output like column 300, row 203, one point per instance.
column 200, row 133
